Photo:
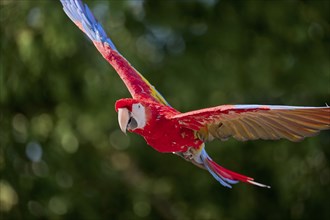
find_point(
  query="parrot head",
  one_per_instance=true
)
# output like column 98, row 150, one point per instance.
column 131, row 114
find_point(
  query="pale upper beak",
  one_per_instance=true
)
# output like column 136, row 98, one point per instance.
column 123, row 118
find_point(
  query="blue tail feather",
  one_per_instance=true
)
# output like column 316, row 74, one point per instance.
column 221, row 179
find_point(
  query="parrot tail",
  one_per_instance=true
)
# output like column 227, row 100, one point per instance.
column 224, row 176
column 82, row 16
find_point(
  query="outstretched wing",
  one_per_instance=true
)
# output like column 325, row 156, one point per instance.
column 137, row 85
column 250, row 122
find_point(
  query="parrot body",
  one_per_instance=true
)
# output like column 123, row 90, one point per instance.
column 167, row 130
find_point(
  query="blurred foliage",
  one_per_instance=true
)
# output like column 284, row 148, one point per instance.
column 62, row 155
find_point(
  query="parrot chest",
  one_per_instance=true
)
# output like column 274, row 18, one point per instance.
column 168, row 136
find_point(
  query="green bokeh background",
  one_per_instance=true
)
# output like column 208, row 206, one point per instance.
column 62, row 155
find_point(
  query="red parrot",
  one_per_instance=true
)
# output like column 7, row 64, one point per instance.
column 169, row 131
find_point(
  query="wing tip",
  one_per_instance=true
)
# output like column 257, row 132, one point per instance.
column 82, row 16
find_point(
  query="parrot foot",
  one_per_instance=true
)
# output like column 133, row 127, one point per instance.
column 192, row 155
column 189, row 154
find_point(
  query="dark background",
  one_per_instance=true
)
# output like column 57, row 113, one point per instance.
column 62, row 155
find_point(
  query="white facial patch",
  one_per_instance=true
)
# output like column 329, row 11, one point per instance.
column 139, row 114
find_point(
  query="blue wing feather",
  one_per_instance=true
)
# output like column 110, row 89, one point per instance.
column 80, row 14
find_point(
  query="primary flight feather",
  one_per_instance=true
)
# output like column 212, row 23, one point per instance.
column 167, row 130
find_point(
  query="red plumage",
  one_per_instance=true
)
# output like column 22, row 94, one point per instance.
column 163, row 133
column 167, row 130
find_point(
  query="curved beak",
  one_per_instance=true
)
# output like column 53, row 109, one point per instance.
column 123, row 118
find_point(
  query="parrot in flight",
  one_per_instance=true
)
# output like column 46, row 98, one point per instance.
column 167, row 130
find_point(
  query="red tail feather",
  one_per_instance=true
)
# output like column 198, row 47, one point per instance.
column 232, row 175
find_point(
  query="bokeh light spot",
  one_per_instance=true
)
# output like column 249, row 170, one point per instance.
column 42, row 125
column 148, row 49
column 20, row 125
column 35, row 208
column 86, row 126
column 120, row 161
column 176, row 44
column 40, row 169
column 141, row 208
column 69, row 143
column 315, row 31
column 34, row 18
column 58, row 205
column 162, row 187
column 24, row 40
column 33, row 151
column 8, row 196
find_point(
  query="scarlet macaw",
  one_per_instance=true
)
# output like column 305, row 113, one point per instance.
column 167, row 130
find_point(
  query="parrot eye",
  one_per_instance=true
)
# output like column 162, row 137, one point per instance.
column 132, row 124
